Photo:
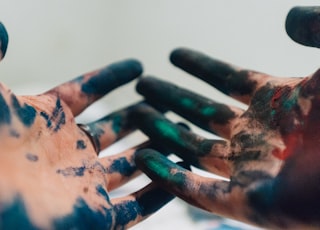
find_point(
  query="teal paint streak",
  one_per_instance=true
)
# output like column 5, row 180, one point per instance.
column 168, row 130
column 208, row 111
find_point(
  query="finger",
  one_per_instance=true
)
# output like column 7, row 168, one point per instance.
column 84, row 90
column 212, row 155
column 112, row 127
column 138, row 206
column 3, row 41
column 121, row 168
column 203, row 112
column 213, row 195
column 233, row 81
column 303, row 25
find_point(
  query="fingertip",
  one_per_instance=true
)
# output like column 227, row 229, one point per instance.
column 4, row 38
column 128, row 69
column 177, row 53
column 144, row 83
column 303, row 25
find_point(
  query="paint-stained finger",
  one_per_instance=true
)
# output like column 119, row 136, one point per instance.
column 303, row 25
column 84, row 90
column 203, row 112
column 3, row 41
column 213, row 195
column 121, row 168
column 140, row 205
column 112, row 127
column 238, row 83
column 212, row 155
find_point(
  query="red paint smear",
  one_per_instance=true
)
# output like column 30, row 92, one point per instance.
column 291, row 142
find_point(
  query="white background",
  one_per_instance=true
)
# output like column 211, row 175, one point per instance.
column 54, row 41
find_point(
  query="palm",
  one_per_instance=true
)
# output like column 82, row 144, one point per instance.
column 268, row 153
column 50, row 175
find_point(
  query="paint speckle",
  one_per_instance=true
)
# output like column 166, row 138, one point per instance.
column 81, row 144
column 32, row 157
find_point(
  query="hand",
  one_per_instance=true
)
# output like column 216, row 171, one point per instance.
column 268, row 153
column 50, row 175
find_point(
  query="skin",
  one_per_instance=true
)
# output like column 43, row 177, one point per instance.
column 50, row 174
column 268, row 154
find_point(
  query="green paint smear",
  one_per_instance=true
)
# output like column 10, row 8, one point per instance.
column 168, row 130
column 208, row 111
column 116, row 124
column 157, row 168
column 187, row 102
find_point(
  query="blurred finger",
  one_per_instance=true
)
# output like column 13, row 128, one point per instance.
column 233, row 81
column 84, row 90
column 121, row 168
column 303, row 25
column 3, row 41
column 193, row 149
column 213, row 195
column 138, row 206
column 111, row 128
column 203, row 112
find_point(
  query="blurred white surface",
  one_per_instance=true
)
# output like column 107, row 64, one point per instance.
column 54, row 41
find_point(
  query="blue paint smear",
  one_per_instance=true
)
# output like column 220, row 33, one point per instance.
column 5, row 115
column 58, row 115
column 122, row 166
column 32, row 157
column 72, row 171
column 83, row 217
column 102, row 192
column 25, row 113
column 47, row 118
column 112, row 76
column 15, row 216
column 81, row 144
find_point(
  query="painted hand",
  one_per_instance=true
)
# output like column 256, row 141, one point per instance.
column 50, row 175
column 269, row 153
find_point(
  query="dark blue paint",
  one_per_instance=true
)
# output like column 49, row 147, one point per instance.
column 47, row 118
column 14, row 216
column 153, row 200
column 5, row 115
column 80, row 171
column 126, row 212
column 57, row 119
column 4, row 39
column 102, row 192
column 25, row 113
column 83, row 217
column 58, row 115
column 112, row 76
column 32, row 157
column 122, row 166
column 72, row 171
column 81, row 144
